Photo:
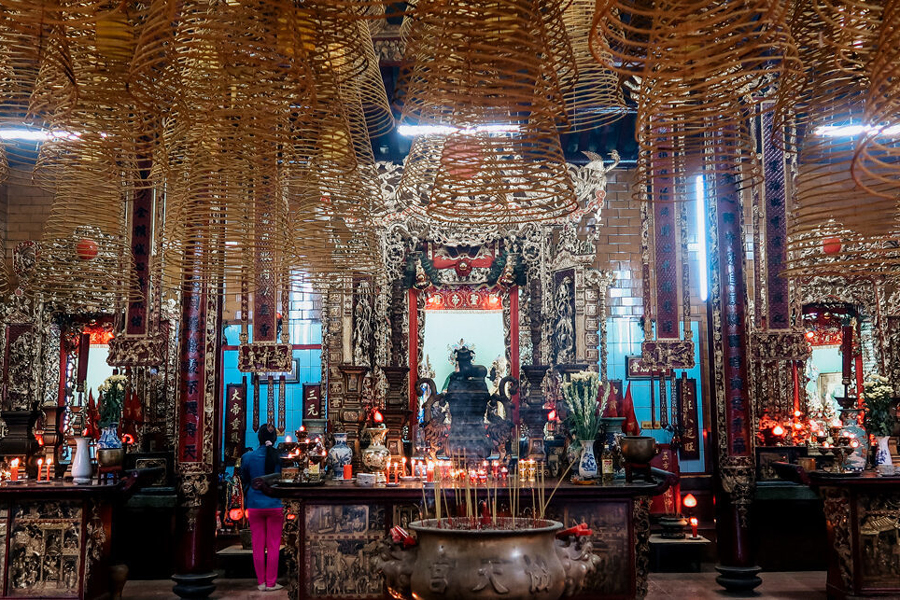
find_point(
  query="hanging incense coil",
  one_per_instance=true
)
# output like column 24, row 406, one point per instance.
column 592, row 94
column 31, row 51
column 876, row 162
column 85, row 255
column 477, row 62
column 838, row 43
column 699, row 70
column 224, row 225
column 488, row 178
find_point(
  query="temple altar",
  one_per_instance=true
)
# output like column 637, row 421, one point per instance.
column 57, row 538
column 334, row 531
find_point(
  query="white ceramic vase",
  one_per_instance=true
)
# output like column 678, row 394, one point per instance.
column 82, row 472
column 587, row 464
column 883, row 462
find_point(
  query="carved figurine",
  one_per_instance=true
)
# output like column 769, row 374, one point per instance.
column 563, row 333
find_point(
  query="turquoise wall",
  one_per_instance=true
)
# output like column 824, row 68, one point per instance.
column 624, row 337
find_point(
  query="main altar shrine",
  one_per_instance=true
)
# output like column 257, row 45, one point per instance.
column 538, row 298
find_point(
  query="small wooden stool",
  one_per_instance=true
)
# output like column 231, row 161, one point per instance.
column 645, row 470
column 108, row 474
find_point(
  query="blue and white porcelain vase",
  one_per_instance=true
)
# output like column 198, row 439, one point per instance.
column 109, row 437
column 883, row 462
column 587, row 465
column 339, row 455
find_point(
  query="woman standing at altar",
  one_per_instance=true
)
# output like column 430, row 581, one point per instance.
column 264, row 513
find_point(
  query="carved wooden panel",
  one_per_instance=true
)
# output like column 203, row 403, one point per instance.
column 339, row 545
column 45, row 547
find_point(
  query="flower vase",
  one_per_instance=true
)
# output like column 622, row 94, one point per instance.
column 82, row 472
column 375, row 457
column 109, row 437
column 587, row 464
column 883, row 462
column 339, row 455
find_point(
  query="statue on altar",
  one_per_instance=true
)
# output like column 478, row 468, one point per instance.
column 467, row 420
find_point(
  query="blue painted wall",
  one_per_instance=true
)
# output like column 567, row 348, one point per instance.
column 624, row 337
column 309, row 371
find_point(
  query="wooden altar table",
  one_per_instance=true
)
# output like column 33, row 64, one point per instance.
column 863, row 524
column 55, row 538
column 333, row 531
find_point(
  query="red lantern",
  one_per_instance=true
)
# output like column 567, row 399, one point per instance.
column 689, row 501
column 87, row 249
column 235, row 514
column 831, row 246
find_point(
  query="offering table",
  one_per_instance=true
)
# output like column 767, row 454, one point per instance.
column 56, row 537
column 862, row 513
column 333, row 532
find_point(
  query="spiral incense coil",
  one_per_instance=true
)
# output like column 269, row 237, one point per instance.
column 31, row 51
column 592, row 94
column 835, row 42
column 876, row 162
column 474, row 63
column 225, row 226
column 85, row 254
column 488, row 178
column 838, row 43
column 700, row 69
column 370, row 88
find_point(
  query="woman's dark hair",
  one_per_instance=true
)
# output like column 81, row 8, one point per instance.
column 267, row 433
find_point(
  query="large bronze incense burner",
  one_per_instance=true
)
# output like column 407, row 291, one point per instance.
column 510, row 560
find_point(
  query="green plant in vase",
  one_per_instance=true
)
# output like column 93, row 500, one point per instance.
column 581, row 394
column 113, row 399
column 880, row 418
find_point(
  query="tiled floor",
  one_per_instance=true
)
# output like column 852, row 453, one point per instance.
column 808, row 585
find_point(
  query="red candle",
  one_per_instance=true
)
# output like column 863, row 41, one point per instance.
column 40, row 468
column 429, row 474
column 403, row 467
column 694, row 527
column 396, row 472
column 49, row 465
column 14, row 470
column 348, row 472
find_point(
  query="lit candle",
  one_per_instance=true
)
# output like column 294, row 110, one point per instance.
column 14, row 470
column 40, row 468
column 403, row 466
column 49, row 467
column 429, row 474
column 694, row 527
column 288, row 439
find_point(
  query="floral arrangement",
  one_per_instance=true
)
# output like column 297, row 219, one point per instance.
column 581, row 394
column 113, row 389
column 880, row 415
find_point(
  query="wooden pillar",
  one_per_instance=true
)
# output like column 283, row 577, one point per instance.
column 196, row 456
column 729, row 358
